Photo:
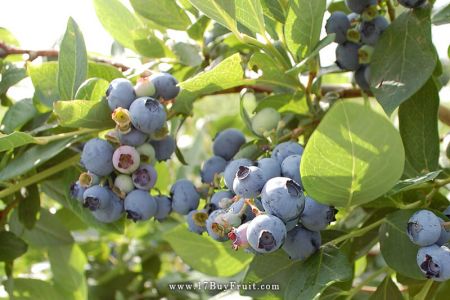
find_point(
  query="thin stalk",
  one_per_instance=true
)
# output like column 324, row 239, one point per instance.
column 355, row 233
column 46, row 139
column 366, row 281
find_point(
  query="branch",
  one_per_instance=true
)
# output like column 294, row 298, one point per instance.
column 6, row 50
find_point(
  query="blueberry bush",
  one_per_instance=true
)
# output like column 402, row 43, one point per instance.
column 233, row 153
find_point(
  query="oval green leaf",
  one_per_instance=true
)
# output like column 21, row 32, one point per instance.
column 354, row 156
column 11, row 246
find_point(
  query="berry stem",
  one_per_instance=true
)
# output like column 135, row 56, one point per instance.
column 353, row 234
column 47, row 139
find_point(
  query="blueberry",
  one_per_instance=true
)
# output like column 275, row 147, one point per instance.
column 232, row 168
column 97, row 197
column 164, row 148
column 126, row 159
column 144, row 87
column 145, row 177
column 214, row 231
column 222, row 199
column 196, row 220
column 133, row 138
column 88, row 179
column 266, row 233
column 424, row 228
column 164, row 208
column 434, row 262
column 139, row 205
column 76, row 191
column 211, row 167
column 120, row 93
column 290, row 167
column 292, row 223
column 270, row 167
column 111, row 213
column 160, row 134
column 317, row 216
column 347, row 56
column 242, row 209
column 444, row 236
column 362, row 78
column 165, row 85
column 354, row 18
column 447, row 212
column 359, row 6
column 97, row 157
column 238, row 236
column 283, row 197
column 372, row 30
column 248, row 182
column 147, row 153
column 265, row 121
column 301, row 243
column 283, row 150
column 411, row 3
column 228, row 142
column 338, row 23
column 124, row 183
column 147, row 114
column 184, row 196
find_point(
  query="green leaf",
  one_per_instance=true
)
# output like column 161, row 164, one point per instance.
column 11, row 246
column 148, row 45
column 354, row 156
column 118, row 21
column 72, row 61
column 188, row 54
column 33, row 157
column 104, row 71
column 250, row 14
column 418, row 120
column 442, row 16
column 387, row 290
column 29, row 206
column 403, row 49
column 166, row 13
column 34, row 289
column 397, row 249
column 197, row 29
column 10, row 75
column 44, row 77
column 322, row 269
column 227, row 74
column 47, row 232
column 67, row 263
column 7, row 37
column 84, row 113
column 412, row 183
column 274, row 10
column 92, row 89
column 303, row 26
column 18, row 115
column 14, row 140
column 216, row 259
column 294, row 103
column 221, row 11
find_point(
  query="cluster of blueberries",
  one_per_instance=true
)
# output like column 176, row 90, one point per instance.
column 119, row 170
column 263, row 206
column 432, row 234
column 358, row 33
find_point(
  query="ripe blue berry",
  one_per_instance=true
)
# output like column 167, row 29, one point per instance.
column 147, row 114
column 120, row 93
column 164, row 148
column 338, row 23
column 212, row 227
column 248, row 182
column 196, row 220
column 290, row 167
column 144, row 87
column 444, row 236
column 411, row 3
column 424, row 228
column 126, row 159
column 266, row 233
column 145, row 177
column 362, row 77
column 88, row 179
column 241, row 209
column 124, row 183
column 283, row 150
column 228, row 142
column 283, row 198
column 97, row 197
column 184, row 196
column 447, row 212
column 372, row 30
column 165, row 85
column 270, row 167
column 301, row 243
column 76, row 191
column 211, row 167
column 111, row 213
column 164, row 207
column 347, row 56
column 358, row 6
column 231, row 170
column 317, row 216
column 97, row 157
column 133, row 138
column 434, row 262
column 222, row 199
column 139, row 205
